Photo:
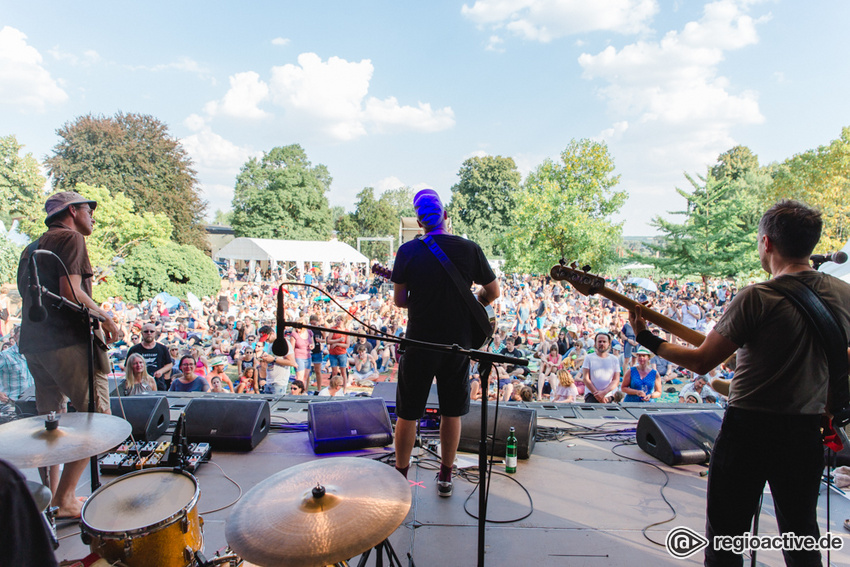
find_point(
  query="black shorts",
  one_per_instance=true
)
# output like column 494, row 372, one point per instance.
column 417, row 369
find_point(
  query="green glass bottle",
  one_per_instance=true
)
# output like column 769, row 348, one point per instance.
column 510, row 454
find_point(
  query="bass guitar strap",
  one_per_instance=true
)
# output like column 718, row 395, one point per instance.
column 824, row 324
column 474, row 307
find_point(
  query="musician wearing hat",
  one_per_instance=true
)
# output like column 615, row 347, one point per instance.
column 437, row 313
column 55, row 340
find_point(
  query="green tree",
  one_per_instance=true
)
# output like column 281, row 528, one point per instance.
column 282, row 196
column 483, row 200
column 717, row 237
column 564, row 210
column 118, row 228
column 222, row 218
column 375, row 218
column 133, row 154
column 821, row 178
column 735, row 163
column 173, row 268
column 21, row 187
column 10, row 253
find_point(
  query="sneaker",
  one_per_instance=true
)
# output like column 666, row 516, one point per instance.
column 444, row 488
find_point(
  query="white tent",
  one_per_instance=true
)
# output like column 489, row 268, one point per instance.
column 253, row 250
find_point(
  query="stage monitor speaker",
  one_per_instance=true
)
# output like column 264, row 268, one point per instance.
column 679, row 438
column 387, row 391
column 523, row 420
column 148, row 415
column 228, row 424
column 349, row 425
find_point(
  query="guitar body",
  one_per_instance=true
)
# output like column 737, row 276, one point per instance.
column 485, row 317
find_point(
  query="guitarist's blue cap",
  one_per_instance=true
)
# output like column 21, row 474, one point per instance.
column 429, row 208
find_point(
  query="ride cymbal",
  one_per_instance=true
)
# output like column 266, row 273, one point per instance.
column 27, row 443
column 287, row 520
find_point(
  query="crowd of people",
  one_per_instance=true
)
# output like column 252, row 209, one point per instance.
column 580, row 348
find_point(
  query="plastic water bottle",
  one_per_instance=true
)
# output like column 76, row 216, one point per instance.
column 510, row 454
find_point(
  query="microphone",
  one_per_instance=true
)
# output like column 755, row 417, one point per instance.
column 280, row 346
column 37, row 312
column 838, row 257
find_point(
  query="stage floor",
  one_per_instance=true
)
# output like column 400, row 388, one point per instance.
column 591, row 503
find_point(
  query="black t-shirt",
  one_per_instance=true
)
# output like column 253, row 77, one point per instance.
column 317, row 343
column 436, row 310
column 155, row 358
column 63, row 327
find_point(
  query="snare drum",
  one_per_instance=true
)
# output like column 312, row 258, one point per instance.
column 148, row 517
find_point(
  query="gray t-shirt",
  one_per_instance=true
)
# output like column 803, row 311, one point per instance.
column 601, row 369
column 781, row 366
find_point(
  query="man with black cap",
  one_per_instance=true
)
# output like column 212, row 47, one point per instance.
column 57, row 347
column 436, row 313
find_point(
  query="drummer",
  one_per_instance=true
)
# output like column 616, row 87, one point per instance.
column 56, row 341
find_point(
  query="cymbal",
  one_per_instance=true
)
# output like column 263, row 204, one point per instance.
column 27, row 444
column 281, row 522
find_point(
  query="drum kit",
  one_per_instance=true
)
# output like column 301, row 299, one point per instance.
column 314, row 514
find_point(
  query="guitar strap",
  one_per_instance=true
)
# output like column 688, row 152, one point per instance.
column 474, row 307
column 825, row 326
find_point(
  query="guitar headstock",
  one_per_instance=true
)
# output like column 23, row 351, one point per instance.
column 586, row 283
column 382, row 271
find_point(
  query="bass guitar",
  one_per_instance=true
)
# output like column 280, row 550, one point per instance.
column 589, row 284
column 484, row 315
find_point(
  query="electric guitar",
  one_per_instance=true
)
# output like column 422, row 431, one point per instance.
column 485, row 316
column 589, row 284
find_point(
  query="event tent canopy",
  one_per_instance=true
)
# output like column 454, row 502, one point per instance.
column 254, row 250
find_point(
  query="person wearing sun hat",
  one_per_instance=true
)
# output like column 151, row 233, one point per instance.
column 55, row 341
column 436, row 313
column 217, row 365
column 641, row 383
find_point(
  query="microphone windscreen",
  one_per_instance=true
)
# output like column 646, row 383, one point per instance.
column 839, row 257
column 280, row 346
column 37, row 313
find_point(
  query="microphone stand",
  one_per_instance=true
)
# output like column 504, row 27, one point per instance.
column 93, row 320
column 485, row 365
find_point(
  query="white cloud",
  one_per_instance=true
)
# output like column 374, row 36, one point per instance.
column 241, row 101
column 389, row 183
column 495, row 43
column 671, row 89
column 280, row 41
column 212, row 154
column 194, row 122
column 23, row 80
column 545, row 20
column 616, row 131
column 89, row 57
column 332, row 95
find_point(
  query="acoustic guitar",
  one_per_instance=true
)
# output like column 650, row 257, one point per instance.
column 589, row 284
column 485, row 316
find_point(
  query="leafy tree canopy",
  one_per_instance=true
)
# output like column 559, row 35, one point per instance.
column 375, row 218
column 21, row 184
column 282, row 196
column 10, row 253
column 170, row 267
column 564, row 211
column 133, row 154
column 483, row 200
column 717, row 237
column 821, row 178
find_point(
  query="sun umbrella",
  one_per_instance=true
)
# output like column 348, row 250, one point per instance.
column 645, row 283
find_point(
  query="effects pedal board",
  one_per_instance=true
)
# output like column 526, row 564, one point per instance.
column 129, row 457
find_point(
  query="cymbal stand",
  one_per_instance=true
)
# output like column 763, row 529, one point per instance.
column 383, row 547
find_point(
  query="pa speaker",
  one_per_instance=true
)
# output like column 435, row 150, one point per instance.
column 148, row 415
column 679, row 438
column 523, row 420
column 232, row 425
column 348, row 425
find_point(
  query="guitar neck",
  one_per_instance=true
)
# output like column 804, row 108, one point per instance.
column 688, row 335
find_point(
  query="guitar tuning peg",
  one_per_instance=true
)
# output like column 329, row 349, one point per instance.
column 562, row 262
column 585, row 268
column 573, row 265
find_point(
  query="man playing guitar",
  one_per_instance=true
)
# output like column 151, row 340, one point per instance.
column 771, row 431
column 436, row 313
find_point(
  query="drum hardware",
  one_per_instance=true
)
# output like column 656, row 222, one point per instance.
column 42, row 496
column 319, row 513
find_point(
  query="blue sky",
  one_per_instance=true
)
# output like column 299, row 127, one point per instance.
column 401, row 93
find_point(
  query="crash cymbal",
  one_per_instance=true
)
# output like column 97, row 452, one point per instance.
column 283, row 521
column 26, row 443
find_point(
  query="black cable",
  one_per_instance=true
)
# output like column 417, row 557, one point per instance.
column 471, row 477
column 661, row 491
